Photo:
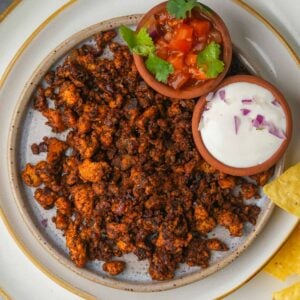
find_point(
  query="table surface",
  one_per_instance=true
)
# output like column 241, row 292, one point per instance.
column 19, row 278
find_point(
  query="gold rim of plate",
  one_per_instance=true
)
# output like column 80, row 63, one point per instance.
column 4, row 294
column 9, row 9
column 6, row 73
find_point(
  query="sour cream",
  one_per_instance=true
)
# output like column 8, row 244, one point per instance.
column 242, row 125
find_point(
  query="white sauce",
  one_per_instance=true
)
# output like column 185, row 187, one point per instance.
column 238, row 137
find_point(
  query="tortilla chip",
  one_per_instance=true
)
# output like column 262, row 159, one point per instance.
column 290, row 293
column 284, row 191
column 287, row 261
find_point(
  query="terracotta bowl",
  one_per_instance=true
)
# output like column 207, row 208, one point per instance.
column 199, row 108
column 193, row 91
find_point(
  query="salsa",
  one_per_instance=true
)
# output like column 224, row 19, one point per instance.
column 179, row 41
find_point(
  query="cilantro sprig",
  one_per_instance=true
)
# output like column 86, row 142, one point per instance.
column 142, row 44
column 161, row 68
column 180, row 8
column 208, row 60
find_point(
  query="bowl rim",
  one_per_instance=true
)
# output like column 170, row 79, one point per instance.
column 194, row 91
column 20, row 199
column 205, row 153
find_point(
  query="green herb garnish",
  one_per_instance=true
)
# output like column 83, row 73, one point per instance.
column 142, row 44
column 180, row 8
column 208, row 60
column 159, row 67
column 138, row 42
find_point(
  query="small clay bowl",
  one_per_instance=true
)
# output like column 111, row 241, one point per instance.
column 193, row 91
column 199, row 108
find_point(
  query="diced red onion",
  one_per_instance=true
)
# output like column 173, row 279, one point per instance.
column 275, row 102
column 206, row 108
column 276, row 131
column 247, row 101
column 209, row 96
column 237, row 123
column 259, row 122
column 222, row 94
column 199, row 46
column 255, row 123
column 154, row 34
column 245, row 111
column 260, row 119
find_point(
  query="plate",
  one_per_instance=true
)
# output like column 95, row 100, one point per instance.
column 34, row 57
column 29, row 127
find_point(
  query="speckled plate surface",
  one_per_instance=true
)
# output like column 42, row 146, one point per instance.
column 29, row 127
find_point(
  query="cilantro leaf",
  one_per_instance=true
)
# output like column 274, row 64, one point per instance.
column 127, row 35
column 140, row 42
column 159, row 67
column 143, row 38
column 179, row 8
column 208, row 60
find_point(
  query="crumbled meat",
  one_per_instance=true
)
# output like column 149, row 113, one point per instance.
column 127, row 177
column 162, row 265
column 93, row 171
column 114, row 267
column 197, row 253
column 56, row 149
column 231, row 221
column 45, row 197
column 63, row 206
column 249, row 190
column 30, row 177
column 76, row 245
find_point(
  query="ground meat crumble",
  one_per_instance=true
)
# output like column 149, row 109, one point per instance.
column 133, row 181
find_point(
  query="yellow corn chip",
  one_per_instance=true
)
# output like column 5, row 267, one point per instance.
column 284, row 191
column 290, row 293
column 287, row 261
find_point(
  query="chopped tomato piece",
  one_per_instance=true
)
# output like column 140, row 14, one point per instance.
column 180, row 45
column 177, row 60
column 191, row 59
column 197, row 74
column 178, row 79
column 162, row 48
column 201, row 27
column 182, row 39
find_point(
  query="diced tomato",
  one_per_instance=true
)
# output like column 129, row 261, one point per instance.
column 180, row 45
column 177, row 60
column 197, row 74
column 162, row 48
column 184, row 32
column 191, row 59
column 179, row 41
column 201, row 27
column 182, row 39
column 178, row 79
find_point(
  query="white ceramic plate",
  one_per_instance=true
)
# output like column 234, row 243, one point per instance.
column 247, row 35
column 29, row 127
